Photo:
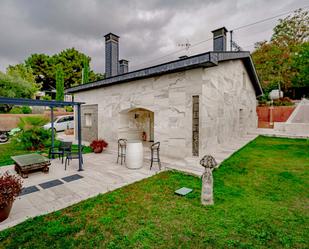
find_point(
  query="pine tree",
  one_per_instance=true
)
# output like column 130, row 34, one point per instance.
column 85, row 75
column 59, row 84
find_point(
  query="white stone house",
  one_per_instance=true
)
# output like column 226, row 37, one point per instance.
column 191, row 105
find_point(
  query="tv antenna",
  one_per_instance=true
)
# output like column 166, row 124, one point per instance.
column 233, row 45
column 185, row 45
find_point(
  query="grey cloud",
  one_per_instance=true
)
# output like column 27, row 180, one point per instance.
column 147, row 29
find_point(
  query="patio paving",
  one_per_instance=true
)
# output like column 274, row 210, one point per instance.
column 45, row 193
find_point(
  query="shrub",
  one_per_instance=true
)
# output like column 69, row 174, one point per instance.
column 21, row 110
column 32, row 122
column 98, row 145
column 32, row 135
column 278, row 102
column 26, row 110
column 69, row 109
column 283, row 102
column 10, row 188
column 16, row 110
column 46, row 97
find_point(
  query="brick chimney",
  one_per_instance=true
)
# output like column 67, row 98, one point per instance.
column 111, row 55
column 123, row 66
column 219, row 39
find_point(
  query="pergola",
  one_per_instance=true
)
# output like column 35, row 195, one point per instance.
column 52, row 104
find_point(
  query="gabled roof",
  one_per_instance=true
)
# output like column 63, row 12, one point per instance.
column 208, row 59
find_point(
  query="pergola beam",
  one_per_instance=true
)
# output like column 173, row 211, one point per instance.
column 37, row 102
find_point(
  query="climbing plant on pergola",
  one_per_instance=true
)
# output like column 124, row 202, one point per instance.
column 52, row 104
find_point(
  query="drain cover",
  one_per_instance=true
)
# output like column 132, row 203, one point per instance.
column 183, row 191
column 51, row 184
column 28, row 190
column 72, row 178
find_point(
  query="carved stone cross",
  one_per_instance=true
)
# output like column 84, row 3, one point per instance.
column 208, row 162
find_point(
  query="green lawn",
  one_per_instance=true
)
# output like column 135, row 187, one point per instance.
column 261, row 201
column 12, row 149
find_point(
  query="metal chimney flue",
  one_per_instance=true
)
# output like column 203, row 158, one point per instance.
column 219, row 39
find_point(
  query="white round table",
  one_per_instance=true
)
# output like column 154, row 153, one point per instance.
column 134, row 154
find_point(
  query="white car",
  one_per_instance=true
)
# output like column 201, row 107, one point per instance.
column 61, row 123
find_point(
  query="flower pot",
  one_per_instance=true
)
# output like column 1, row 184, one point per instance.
column 98, row 150
column 5, row 212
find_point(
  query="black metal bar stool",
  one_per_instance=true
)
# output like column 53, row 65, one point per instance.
column 155, row 154
column 122, row 147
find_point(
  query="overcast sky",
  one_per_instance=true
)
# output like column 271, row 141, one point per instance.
column 148, row 29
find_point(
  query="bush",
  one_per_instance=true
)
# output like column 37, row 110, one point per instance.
column 32, row 135
column 46, row 97
column 10, row 188
column 69, row 109
column 283, row 102
column 278, row 102
column 16, row 110
column 21, row 110
column 26, row 110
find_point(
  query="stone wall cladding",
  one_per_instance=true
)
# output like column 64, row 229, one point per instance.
column 89, row 133
column 227, row 98
column 222, row 95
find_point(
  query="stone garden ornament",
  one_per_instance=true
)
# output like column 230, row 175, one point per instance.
column 209, row 163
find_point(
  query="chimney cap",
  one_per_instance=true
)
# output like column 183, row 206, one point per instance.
column 111, row 34
column 219, row 29
column 123, row 61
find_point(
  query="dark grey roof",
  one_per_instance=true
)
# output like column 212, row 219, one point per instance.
column 208, row 59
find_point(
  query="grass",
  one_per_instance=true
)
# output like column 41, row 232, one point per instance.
column 12, row 149
column 261, row 201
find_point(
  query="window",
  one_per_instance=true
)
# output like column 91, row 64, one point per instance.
column 195, row 125
column 61, row 120
column 88, row 120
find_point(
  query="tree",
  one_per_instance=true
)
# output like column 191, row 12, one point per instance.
column 59, row 84
column 72, row 63
column 21, row 71
column 71, row 60
column 292, row 29
column 301, row 63
column 43, row 68
column 15, row 87
column 85, row 73
column 275, row 60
